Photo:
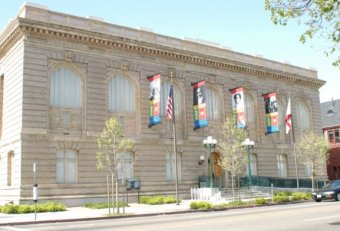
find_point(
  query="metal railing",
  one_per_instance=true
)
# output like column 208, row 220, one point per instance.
column 278, row 182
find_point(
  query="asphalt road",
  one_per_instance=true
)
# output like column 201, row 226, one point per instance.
column 301, row 217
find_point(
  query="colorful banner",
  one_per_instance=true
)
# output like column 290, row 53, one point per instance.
column 272, row 115
column 237, row 98
column 200, row 113
column 155, row 99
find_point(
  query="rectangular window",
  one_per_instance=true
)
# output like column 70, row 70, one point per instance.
column 309, row 169
column 330, row 136
column 337, row 138
column 171, row 166
column 282, row 165
column 125, row 166
column 66, row 167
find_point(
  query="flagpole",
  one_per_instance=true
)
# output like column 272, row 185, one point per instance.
column 174, row 136
column 295, row 156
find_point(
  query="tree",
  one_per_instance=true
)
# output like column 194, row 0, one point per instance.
column 233, row 153
column 111, row 146
column 320, row 16
column 312, row 151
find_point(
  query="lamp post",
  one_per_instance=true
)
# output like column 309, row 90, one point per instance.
column 209, row 141
column 248, row 144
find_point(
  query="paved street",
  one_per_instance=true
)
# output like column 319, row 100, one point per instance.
column 304, row 216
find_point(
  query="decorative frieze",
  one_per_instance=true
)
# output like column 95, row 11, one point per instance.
column 95, row 39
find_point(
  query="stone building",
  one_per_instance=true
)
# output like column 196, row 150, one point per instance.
column 62, row 76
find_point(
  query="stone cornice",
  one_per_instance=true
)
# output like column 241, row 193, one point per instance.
column 38, row 29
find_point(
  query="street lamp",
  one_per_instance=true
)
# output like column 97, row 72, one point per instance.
column 209, row 141
column 248, row 144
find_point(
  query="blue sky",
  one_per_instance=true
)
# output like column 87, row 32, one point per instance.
column 244, row 26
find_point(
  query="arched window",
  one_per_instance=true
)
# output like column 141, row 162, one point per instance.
column 249, row 109
column 125, row 166
column 65, row 88
column 121, row 95
column 165, row 88
column 66, row 166
column 302, row 114
column 213, row 104
column 282, row 165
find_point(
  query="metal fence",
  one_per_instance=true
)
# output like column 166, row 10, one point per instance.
column 278, row 182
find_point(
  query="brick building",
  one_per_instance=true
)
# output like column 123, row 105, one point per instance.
column 62, row 76
column 330, row 116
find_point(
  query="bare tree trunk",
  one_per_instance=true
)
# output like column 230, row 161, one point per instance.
column 233, row 186
column 108, row 191
column 113, row 205
column 313, row 183
column 313, row 175
column 117, row 197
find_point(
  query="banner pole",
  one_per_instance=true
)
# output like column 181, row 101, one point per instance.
column 174, row 137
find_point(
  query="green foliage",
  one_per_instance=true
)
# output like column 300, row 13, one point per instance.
column 104, row 205
column 261, row 201
column 233, row 152
column 281, row 198
column 169, row 200
column 156, row 200
column 283, row 193
column 111, row 145
column 25, row 208
column 9, row 209
column 313, row 151
column 220, row 206
column 200, row 205
column 301, row 196
column 321, row 17
column 237, row 203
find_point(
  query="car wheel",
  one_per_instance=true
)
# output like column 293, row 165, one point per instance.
column 317, row 200
column 337, row 197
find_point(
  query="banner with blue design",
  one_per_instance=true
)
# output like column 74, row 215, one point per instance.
column 155, row 99
column 200, row 112
column 237, row 99
column 272, row 115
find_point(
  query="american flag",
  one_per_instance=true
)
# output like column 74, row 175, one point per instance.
column 169, row 107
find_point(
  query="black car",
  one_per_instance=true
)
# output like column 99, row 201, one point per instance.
column 331, row 191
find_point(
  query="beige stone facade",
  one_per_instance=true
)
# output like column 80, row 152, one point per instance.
column 38, row 40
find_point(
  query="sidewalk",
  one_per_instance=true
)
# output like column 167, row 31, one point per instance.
column 82, row 213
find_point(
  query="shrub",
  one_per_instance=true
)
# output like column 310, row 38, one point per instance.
column 200, row 205
column 25, row 209
column 144, row 199
column 236, row 203
column 103, row 205
column 156, row 200
column 260, row 201
column 281, row 198
column 283, row 193
column 169, row 200
column 220, row 206
column 301, row 196
column 40, row 208
column 9, row 209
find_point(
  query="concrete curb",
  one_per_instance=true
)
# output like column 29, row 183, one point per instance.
column 146, row 214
